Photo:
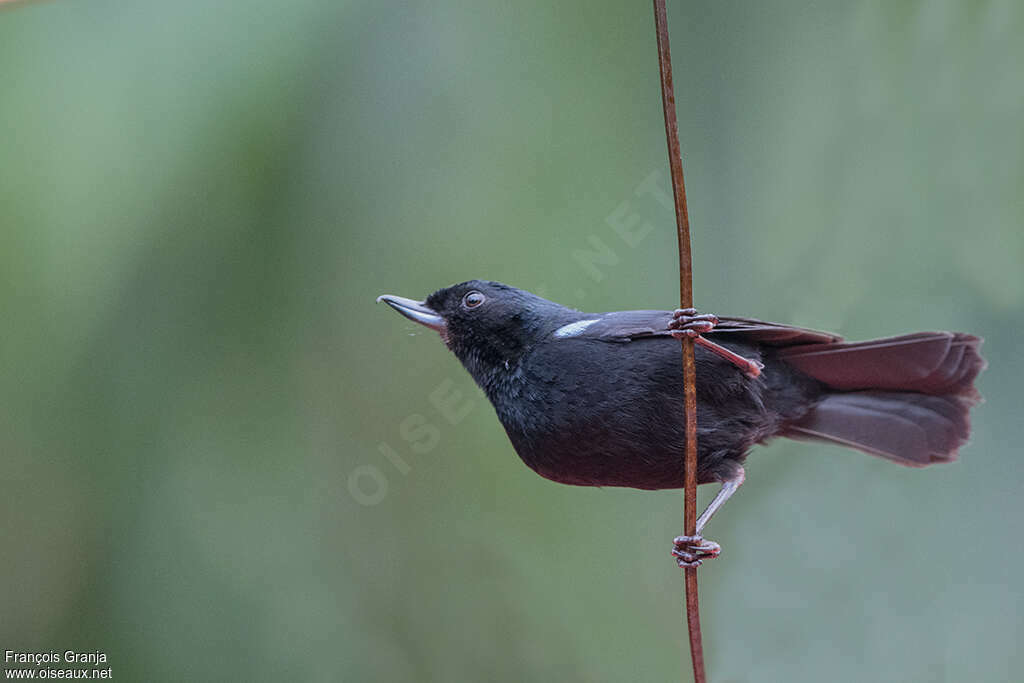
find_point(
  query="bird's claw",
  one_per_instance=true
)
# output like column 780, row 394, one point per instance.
column 691, row 551
column 686, row 322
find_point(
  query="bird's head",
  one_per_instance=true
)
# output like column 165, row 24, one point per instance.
column 488, row 325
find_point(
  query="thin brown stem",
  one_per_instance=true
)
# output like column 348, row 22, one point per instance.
column 675, row 160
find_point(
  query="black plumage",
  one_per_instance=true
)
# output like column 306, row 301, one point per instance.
column 596, row 399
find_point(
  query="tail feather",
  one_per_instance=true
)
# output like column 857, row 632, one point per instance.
column 904, row 398
column 936, row 363
column 911, row 429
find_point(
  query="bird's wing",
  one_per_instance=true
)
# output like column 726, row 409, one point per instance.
column 771, row 334
column 624, row 326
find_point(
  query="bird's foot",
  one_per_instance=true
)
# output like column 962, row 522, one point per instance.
column 691, row 551
column 686, row 322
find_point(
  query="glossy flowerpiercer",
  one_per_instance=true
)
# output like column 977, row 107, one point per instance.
column 595, row 399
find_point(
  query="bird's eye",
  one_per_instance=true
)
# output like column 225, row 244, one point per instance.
column 472, row 299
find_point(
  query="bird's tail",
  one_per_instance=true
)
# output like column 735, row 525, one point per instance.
column 903, row 398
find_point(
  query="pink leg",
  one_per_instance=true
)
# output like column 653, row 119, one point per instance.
column 691, row 551
column 686, row 322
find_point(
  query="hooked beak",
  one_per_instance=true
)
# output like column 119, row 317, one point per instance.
column 414, row 310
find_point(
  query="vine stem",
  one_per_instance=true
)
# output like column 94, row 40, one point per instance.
column 668, row 102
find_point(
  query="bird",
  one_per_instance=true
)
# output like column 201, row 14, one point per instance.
column 595, row 399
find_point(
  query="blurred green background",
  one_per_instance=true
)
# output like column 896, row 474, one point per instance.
column 222, row 461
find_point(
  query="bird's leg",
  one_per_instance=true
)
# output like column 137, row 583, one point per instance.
column 686, row 322
column 691, row 551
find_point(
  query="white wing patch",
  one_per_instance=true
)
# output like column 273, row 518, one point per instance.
column 574, row 329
